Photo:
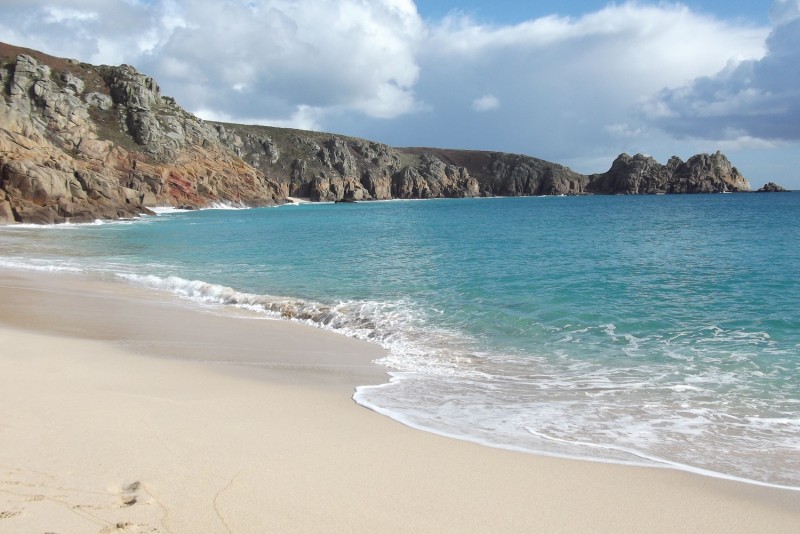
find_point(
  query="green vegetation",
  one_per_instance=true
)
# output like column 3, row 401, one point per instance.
column 109, row 128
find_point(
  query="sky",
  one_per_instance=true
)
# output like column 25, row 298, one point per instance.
column 574, row 82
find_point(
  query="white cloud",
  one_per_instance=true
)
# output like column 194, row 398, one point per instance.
column 666, row 42
column 756, row 98
column 562, row 81
column 55, row 15
column 486, row 103
column 96, row 31
column 783, row 11
column 738, row 141
column 303, row 118
column 344, row 56
column 622, row 130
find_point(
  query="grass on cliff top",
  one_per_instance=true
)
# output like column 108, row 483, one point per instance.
column 285, row 139
column 280, row 136
column 92, row 80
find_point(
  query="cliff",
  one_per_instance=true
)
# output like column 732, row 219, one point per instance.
column 80, row 142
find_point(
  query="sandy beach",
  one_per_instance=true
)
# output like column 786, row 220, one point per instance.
column 121, row 412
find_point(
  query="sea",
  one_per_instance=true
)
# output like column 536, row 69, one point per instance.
column 649, row 330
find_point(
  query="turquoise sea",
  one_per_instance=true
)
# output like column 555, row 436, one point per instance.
column 655, row 330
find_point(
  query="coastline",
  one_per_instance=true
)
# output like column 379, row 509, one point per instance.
column 121, row 411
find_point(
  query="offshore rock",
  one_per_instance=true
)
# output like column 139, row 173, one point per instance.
column 771, row 187
column 639, row 175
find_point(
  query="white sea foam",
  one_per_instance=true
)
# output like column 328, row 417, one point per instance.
column 603, row 424
column 167, row 210
column 171, row 210
column 226, row 206
column 39, row 265
column 296, row 201
column 372, row 320
column 413, row 345
column 45, row 227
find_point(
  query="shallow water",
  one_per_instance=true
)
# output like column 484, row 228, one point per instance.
column 658, row 330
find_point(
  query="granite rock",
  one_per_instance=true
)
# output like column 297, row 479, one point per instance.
column 771, row 187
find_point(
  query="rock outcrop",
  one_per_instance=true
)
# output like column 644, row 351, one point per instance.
column 502, row 174
column 325, row 167
column 769, row 187
column 81, row 142
column 640, row 175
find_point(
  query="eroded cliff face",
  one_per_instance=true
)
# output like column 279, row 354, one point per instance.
column 81, row 142
column 325, row 167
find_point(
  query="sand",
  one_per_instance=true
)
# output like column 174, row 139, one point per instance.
column 118, row 413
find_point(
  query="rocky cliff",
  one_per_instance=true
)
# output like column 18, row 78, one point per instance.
column 325, row 167
column 80, row 142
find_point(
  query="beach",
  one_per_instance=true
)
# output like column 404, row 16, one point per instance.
column 121, row 411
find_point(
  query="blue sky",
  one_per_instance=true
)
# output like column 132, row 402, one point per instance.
column 573, row 82
column 515, row 11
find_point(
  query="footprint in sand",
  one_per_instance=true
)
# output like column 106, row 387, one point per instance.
column 8, row 514
column 129, row 494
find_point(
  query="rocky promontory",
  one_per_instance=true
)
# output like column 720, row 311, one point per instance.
column 80, row 142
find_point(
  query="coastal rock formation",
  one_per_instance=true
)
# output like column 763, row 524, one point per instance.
column 638, row 175
column 769, row 187
column 80, row 142
column 502, row 174
column 325, row 167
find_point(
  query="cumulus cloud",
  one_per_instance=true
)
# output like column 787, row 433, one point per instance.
column 486, row 103
column 750, row 99
column 303, row 118
column 623, row 130
column 563, row 80
column 91, row 30
column 55, row 15
column 254, row 58
column 783, row 11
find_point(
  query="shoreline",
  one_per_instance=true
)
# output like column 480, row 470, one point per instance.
column 115, row 393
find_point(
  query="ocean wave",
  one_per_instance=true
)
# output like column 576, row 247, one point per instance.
column 226, row 206
column 400, row 327
column 171, row 210
column 337, row 317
